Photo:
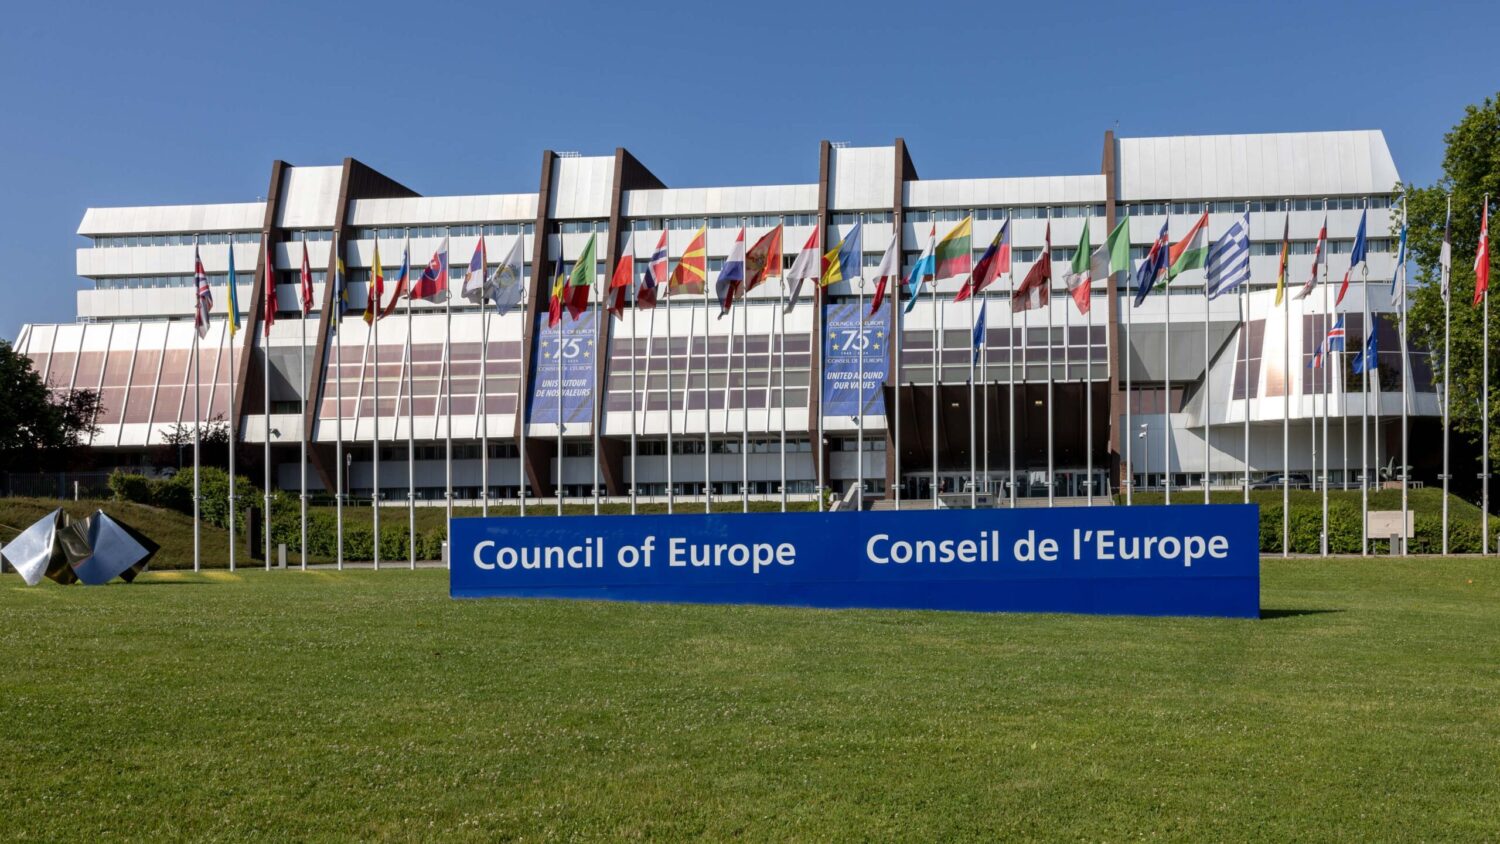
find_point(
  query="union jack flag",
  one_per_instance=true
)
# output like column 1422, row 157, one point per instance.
column 205, row 296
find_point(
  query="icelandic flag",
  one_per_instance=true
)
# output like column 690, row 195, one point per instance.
column 979, row 331
column 732, row 275
column 655, row 274
column 1334, row 342
column 924, row 269
column 1153, row 267
column 433, row 283
column 1370, row 356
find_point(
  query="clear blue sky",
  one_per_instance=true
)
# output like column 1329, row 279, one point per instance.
column 120, row 104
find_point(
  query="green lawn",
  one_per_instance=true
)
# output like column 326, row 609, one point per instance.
column 370, row 705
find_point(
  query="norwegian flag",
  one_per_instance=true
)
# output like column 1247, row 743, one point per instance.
column 306, row 282
column 656, row 273
column 205, row 296
column 1320, row 258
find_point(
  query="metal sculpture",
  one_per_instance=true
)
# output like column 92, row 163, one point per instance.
column 93, row 550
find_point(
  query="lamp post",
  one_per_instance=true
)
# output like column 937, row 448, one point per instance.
column 1145, row 475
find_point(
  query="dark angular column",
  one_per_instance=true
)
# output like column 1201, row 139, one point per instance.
column 539, row 452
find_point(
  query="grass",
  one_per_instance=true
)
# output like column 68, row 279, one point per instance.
column 369, row 705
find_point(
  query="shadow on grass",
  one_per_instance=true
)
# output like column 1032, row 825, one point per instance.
column 1267, row 615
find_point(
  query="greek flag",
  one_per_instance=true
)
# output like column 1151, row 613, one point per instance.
column 1229, row 259
column 1398, row 280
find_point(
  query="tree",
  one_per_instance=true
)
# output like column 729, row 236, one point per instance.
column 1471, row 169
column 177, row 444
column 39, row 431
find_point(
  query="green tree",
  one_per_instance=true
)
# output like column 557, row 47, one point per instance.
column 1471, row 169
column 37, row 429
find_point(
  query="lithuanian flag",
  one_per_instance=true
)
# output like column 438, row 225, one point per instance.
column 955, row 251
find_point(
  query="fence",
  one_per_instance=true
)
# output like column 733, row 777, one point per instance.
column 59, row 485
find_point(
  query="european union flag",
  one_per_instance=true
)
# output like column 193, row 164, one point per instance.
column 1370, row 355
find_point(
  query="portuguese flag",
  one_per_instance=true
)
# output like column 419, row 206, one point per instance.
column 955, row 252
column 1190, row 253
column 577, row 297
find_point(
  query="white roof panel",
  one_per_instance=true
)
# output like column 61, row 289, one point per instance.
column 1282, row 164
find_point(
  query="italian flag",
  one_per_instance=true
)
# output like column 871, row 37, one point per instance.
column 1190, row 253
column 955, row 252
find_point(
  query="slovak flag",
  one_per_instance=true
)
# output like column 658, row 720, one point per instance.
column 433, row 283
column 205, row 304
column 656, row 273
column 732, row 276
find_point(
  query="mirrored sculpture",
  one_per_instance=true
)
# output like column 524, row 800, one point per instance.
column 94, row 550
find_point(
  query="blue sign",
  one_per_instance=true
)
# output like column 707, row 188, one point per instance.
column 564, row 363
column 852, row 345
column 1181, row 560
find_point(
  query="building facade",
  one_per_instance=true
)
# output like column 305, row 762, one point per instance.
column 1060, row 402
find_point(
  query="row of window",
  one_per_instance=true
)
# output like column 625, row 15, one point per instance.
column 203, row 238
column 466, row 230
column 1235, row 206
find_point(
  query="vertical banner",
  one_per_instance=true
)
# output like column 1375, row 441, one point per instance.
column 842, row 391
column 572, row 341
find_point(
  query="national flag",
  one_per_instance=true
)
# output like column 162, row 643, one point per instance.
column 340, row 282
column 763, row 261
column 432, row 285
column 205, row 296
column 1320, row 258
column 1398, row 276
column 619, row 283
column 376, row 288
column 890, row 267
column 1118, row 244
column 233, row 299
column 555, row 302
column 654, row 276
column 731, row 275
column 1152, row 268
column 268, row 279
column 1229, row 259
column 505, row 280
column 1190, row 253
column 1482, row 255
column 403, row 278
column 582, row 279
column 804, row 268
column 306, row 283
column 1334, row 338
column 922, row 270
column 1370, row 357
column 1445, row 255
column 1080, row 274
column 979, row 329
column 1286, row 254
column 955, row 250
column 1356, row 257
column 991, row 265
column 692, row 269
column 844, row 262
column 1038, row 280
column 477, row 286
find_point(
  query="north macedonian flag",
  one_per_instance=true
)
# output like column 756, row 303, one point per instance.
column 688, row 275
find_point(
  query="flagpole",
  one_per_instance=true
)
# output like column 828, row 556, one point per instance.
column 1484, row 509
column 984, row 379
column 559, row 337
column 896, row 339
column 197, row 427
column 601, row 315
column 634, row 346
column 1125, row 348
column 973, row 450
column 1166, row 406
column 447, row 383
column 233, row 438
column 522, row 404
column 371, row 293
column 1325, row 366
column 781, row 383
column 687, row 377
column 341, row 281
column 1405, row 391
column 645, row 393
column 265, row 347
column 1447, row 370
column 744, row 391
column 411, row 425
column 781, row 277
column 1207, row 379
column 937, row 355
column 1010, row 358
column 708, row 449
column 1245, row 368
column 1051, row 408
column 1286, row 401
column 484, row 381
column 302, row 389
column 1088, row 388
column 1067, row 372
column 1364, row 417
column 664, row 300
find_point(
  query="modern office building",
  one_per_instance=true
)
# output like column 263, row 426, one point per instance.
column 1089, row 400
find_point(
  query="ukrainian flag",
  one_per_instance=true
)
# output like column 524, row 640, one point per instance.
column 234, row 301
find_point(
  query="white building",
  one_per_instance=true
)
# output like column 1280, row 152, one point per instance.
column 134, row 337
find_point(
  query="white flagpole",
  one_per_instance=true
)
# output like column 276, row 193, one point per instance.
column 302, row 389
column 1484, row 510
column 521, row 400
column 1447, row 291
column 645, row 391
column 197, row 444
column 1245, row 370
column 265, row 347
column 1129, row 305
column 1325, row 367
column 371, row 292
column 1010, row 376
column 1364, row 415
column 664, row 300
column 781, row 373
column 744, row 393
column 859, row 400
column 1405, row 393
column 1088, row 390
column 338, row 416
column 1207, row 377
column 233, row 437
column 937, row 356
column 630, row 292
column 411, row 426
column 559, row 337
column 1166, row 407
column 708, row 488
column 1286, row 401
column 984, row 380
column 1067, row 372
column 447, row 385
column 601, row 314
column 483, row 404
column 973, row 440
column 896, row 351
column 1051, row 408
